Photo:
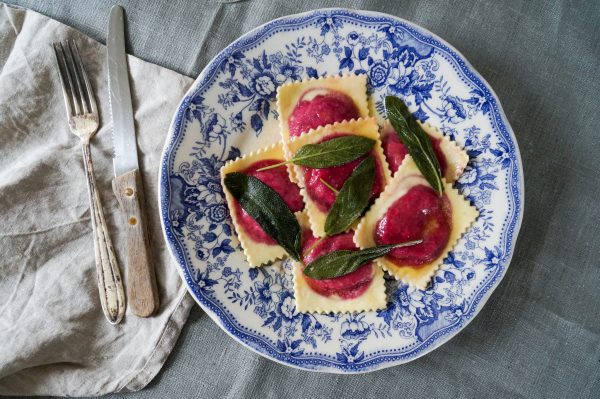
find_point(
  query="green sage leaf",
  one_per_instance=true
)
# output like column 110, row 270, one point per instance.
column 334, row 152
column 352, row 199
column 267, row 208
column 339, row 263
column 417, row 142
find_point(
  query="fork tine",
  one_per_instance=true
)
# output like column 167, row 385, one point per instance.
column 86, row 81
column 60, row 63
column 74, row 92
column 77, row 66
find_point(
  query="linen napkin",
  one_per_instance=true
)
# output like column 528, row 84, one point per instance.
column 54, row 339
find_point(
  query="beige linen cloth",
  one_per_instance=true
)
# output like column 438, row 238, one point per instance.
column 54, row 339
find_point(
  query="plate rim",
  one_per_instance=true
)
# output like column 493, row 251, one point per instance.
column 384, row 361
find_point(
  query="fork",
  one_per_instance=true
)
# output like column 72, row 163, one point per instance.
column 82, row 115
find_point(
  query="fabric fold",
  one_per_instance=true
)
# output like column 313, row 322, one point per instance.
column 54, row 339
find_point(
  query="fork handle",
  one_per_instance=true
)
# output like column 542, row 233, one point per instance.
column 110, row 285
column 141, row 279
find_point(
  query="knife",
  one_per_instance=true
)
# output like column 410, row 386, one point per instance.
column 141, row 281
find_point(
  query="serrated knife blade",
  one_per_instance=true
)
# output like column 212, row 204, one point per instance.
column 141, row 285
column 125, row 156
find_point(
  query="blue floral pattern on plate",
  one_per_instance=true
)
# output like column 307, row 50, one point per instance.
column 231, row 110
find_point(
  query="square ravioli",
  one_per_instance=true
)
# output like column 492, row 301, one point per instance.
column 361, row 290
column 317, row 195
column 312, row 103
column 258, row 247
column 409, row 209
column 310, row 301
column 452, row 158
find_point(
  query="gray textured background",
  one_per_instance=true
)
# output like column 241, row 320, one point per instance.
column 539, row 335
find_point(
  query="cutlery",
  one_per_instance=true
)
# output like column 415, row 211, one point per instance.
column 141, row 281
column 82, row 115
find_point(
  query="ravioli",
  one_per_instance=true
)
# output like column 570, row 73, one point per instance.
column 361, row 290
column 453, row 159
column 258, row 247
column 312, row 103
column 408, row 176
column 314, row 191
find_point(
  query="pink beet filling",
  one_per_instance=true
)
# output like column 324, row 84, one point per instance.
column 278, row 180
column 420, row 214
column 321, row 110
column 395, row 151
column 351, row 285
column 335, row 176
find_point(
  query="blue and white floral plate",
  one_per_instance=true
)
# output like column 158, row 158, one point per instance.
column 230, row 110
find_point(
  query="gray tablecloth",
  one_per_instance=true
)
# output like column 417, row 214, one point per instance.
column 539, row 335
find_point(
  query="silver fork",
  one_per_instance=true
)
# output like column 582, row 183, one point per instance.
column 82, row 115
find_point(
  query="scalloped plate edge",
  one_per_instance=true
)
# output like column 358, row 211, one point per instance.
column 174, row 247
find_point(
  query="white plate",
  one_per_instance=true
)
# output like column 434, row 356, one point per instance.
column 223, row 115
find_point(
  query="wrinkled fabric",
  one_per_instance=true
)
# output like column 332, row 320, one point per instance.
column 539, row 334
column 54, row 338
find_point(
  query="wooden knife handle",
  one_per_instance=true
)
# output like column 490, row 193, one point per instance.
column 141, row 281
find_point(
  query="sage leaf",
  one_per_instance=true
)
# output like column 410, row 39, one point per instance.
column 417, row 142
column 339, row 263
column 267, row 208
column 334, row 152
column 352, row 199
column 330, row 153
